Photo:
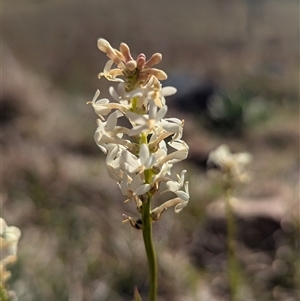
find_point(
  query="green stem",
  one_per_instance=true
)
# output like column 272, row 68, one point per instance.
column 3, row 294
column 147, row 235
column 231, row 247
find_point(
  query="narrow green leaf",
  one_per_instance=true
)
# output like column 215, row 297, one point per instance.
column 136, row 295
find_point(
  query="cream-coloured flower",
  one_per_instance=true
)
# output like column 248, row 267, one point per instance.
column 123, row 96
column 103, row 107
column 178, row 203
column 174, row 126
column 180, row 154
column 109, row 133
column 111, row 74
column 176, row 185
column 159, row 94
column 146, row 122
column 9, row 238
column 132, row 187
column 113, row 163
column 231, row 165
column 134, row 164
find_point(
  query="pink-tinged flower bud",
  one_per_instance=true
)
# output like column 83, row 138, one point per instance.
column 125, row 50
column 131, row 65
column 103, row 45
column 141, row 59
column 154, row 60
column 159, row 74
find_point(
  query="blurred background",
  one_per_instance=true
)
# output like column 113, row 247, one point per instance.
column 235, row 64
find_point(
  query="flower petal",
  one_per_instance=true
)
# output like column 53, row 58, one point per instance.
column 142, row 189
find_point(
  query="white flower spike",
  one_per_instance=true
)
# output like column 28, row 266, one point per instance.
column 138, row 158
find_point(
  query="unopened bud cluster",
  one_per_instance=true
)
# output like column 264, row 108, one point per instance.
column 138, row 156
column 9, row 237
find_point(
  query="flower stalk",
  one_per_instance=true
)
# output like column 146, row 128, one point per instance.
column 148, row 242
column 230, row 171
column 231, row 246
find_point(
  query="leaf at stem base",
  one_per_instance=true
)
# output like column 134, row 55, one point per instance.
column 136, row 294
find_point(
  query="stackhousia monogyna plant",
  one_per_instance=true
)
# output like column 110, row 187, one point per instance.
column 140, row 157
